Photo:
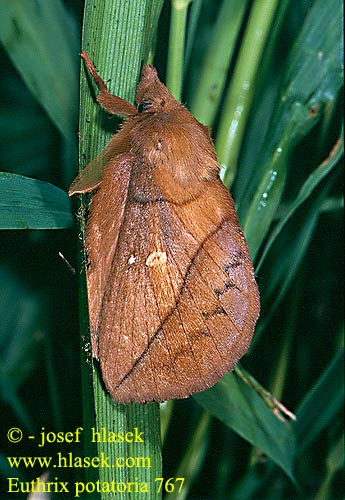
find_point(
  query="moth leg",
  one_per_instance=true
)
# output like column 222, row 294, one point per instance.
column 110, row 102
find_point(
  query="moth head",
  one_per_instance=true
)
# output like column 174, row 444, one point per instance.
column 152, row 96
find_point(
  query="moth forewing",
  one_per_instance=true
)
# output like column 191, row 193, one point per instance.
column 172, row 296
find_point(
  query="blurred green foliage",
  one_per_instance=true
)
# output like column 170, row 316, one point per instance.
column 287, row 185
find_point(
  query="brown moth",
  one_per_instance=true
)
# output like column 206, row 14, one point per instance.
column 172, row 296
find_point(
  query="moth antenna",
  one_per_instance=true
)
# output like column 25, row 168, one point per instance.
column 110, row 102
column 70, row 267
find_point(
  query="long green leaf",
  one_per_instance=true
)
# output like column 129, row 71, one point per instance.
column 239, row 97
column 306, row 190
column 240, row 408
column 19, row 346
column 118, row 37
column 31, row 204
column 313, row 79
column 177, row 32
column 289, row 257
column 321, row 403
column 208, row 92
column 193, row 458
column 41, row 40
column 334, row 463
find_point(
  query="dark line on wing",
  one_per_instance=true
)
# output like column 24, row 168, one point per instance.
column 228, row 284
column 237, row 260
column 159, row 331
column 187, row 337
column 217, row 311
column 161, row 199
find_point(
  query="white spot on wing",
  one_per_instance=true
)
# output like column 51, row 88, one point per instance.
column 131, row 260
column 156, row 258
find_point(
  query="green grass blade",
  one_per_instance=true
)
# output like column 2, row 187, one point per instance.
column 42, row 41
column 166, row 411
column 290, row 257
column 206, row 98
column 313, row 80
column 118, row 37
column 305, row 192
column 193, row 458
column 176, row 51
column 31, row 204
column 333, row 204
column 321, row 403
column 265, row 203
column 240, row 408
column 239, row 98
column 335, row 462
column 193, row 20
column 19, row 346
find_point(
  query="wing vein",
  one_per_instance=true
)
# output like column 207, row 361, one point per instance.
column 159, row 330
